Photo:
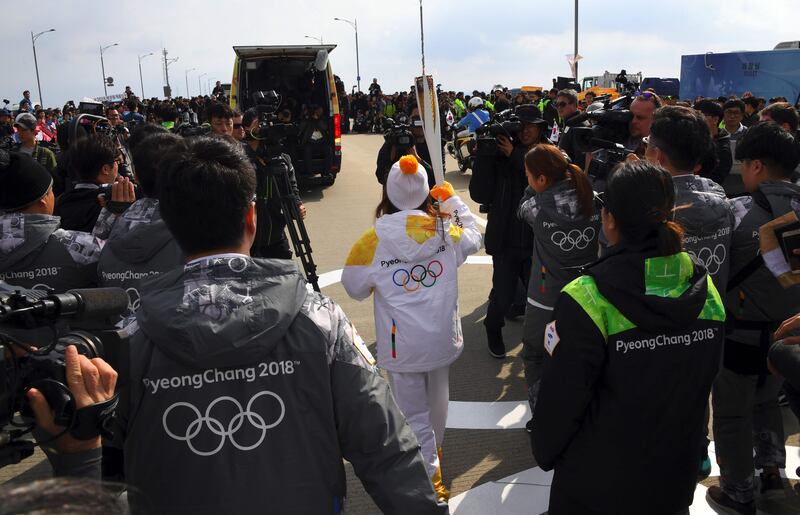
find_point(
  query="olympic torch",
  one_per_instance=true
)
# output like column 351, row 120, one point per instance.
column 428, row 103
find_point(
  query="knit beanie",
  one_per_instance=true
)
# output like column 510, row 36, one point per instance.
column 22, row 180
column 407, row 184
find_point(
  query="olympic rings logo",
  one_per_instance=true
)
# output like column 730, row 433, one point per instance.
column 218, row 428
column 712, row 259
column 419, row 275
column 574, row 239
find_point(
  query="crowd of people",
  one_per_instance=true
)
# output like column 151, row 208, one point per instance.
column 644, row 287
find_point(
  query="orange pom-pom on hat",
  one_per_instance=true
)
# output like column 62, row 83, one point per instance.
column 407, row 184
column 409, row 164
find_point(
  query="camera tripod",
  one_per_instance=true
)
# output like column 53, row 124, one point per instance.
column 278, row 175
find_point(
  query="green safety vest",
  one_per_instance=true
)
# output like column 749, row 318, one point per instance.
column 460, row 109
column 489, row 106
column 665, row 276
column 389, row 110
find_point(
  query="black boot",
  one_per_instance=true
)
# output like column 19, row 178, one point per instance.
column 494, row 338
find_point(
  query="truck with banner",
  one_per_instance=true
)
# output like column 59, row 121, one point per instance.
column 767, row 74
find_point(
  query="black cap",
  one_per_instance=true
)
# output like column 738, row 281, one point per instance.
column 529, row 113
column 22, row 180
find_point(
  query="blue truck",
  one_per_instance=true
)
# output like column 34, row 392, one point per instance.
column 767, row 74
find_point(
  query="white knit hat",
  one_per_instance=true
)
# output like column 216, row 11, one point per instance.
column 407, row 184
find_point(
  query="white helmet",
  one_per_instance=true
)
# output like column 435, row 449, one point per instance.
column 475, row 102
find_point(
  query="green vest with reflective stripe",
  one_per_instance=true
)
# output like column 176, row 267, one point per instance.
column 665, row 276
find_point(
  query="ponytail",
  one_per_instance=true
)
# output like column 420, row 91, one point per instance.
column 670, row 238
column 583, row 188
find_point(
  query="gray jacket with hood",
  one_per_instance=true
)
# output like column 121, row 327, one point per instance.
column 246, row 392
column 139, row 245
column 759, row 297
column 706, row 216
column 563, row 240
column 36, row 253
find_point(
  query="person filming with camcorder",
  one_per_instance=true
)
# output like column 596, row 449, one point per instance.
column 402, row 139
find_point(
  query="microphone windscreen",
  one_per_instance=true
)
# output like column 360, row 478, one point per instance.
column 101, row 302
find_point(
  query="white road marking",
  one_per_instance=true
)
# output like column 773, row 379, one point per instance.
column 488, row 415
column 480, row 221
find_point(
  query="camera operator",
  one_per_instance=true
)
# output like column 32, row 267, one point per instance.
column 500, row 182
column 718, row 162
column 221, row 118
column 567, row 106
column 139, row 245
column 92, row 162
column 34, row 250
column 259, row 339
column 271, row 242
column 391, row 151
column 6, row 128
column 745, row 394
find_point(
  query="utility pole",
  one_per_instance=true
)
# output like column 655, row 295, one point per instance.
column 199, row 84
column 167, row 62
column 103, row 66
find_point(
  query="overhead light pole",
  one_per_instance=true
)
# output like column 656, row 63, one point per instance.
column 318, row 39
column 354, row 24
column 199, row 84
column 141, row 81
column 103, row 66
column 575, row 55
column 36, row 63
column 186, row 76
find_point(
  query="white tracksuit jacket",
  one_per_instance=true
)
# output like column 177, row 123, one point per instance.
column 410, row 261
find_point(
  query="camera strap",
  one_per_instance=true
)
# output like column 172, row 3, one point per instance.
column 95, row 420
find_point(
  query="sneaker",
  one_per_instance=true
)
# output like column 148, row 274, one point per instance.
column 705, row 469
column 771, row 485
column 718, row 499
column 496, row 346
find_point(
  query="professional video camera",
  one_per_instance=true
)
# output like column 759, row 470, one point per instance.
column 273, row 136
column 505, row 123
column 33, row 316
column 606, row 138
column 399, row 134
column 187, row 130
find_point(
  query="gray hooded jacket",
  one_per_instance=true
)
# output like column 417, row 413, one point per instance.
column 246, row 392
column 759, row 297
column 139, row 246
column 563, row 240
column 706, row 216
column 36, row 254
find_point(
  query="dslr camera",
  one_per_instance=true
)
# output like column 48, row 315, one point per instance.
column 505, row 123
column 34, row 335
column 607, row 135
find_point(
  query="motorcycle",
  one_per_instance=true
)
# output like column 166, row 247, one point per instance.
column 460, row 144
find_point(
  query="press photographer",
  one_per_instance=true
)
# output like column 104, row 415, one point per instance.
column 567, row 107
column 499, row 181
column 400, row 140
column 263, row 146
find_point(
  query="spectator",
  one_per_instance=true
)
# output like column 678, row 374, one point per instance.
column 93, row 161
column 783, row 114
column 221, row 118
column 6, row 128
column 718, row 161
column 113, row 116
column 238, row 128
column 567, row 106
column 751, row 109
column 642, row 107
column 732, row 121
column 26, row 104
column 26, row 124
column 132, row 115
column 374, row 88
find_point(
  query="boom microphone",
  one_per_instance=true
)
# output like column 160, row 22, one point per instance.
column 90, row 303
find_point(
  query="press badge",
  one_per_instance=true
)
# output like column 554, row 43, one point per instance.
column 551, row 337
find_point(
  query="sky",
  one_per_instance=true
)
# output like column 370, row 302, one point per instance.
column 468, row 45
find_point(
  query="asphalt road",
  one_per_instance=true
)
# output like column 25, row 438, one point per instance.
column 487, row 459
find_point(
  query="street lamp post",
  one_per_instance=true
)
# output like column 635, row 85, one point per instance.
column 103, row 66
column 36, row 63
column 141, row 81
column 575, row 56
column 186, row 76
column 199, row 84
column 208, row 84
column 315, row 38
column 354, row 24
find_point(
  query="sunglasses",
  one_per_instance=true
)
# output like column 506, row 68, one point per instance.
column 647, row 95
column 562, row 104
column 237, row 125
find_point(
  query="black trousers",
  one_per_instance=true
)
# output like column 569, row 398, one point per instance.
column 508, row 270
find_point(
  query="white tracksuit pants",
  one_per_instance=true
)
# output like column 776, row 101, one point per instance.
column 423, row 398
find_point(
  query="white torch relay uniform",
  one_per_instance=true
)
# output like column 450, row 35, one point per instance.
column 410, row 261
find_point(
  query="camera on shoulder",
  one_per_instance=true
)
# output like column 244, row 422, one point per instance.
column 505, row 123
